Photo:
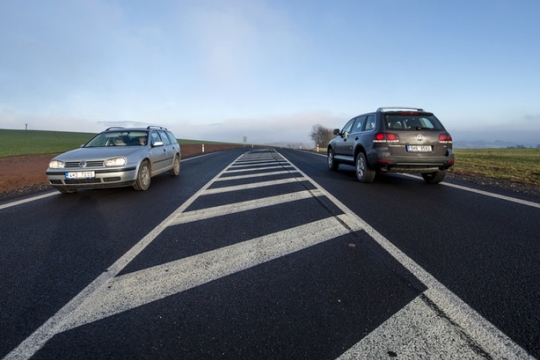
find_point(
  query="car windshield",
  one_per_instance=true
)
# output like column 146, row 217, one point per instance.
column 119, row 138
column 414, row 121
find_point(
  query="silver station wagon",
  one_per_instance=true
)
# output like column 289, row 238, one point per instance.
column 117, row 157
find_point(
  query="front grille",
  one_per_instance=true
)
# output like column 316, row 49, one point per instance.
column 86, row 164
column 83, row 181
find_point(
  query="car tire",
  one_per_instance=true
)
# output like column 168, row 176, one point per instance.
column 434, row 177
column 175, row 171
column 332, row 162
column 144, row 177
column 363, row 173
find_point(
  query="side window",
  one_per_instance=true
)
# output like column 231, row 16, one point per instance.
column 370, row 123
column 164, row 137
column 172, row 138
column 348, row 127
column 154, row 137
column 359, row 125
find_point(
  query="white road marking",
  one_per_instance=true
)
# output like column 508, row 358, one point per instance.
column 208, row 213
column 98, row 300
column 227, row 178
column 250, row 186
column 19, row 202
column 142, row 287
column 484, row 333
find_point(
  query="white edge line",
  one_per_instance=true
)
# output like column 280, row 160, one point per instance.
column 487, row 335
column 464, row 188
column 54, row 325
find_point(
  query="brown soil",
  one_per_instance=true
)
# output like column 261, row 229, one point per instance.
column 25, row 174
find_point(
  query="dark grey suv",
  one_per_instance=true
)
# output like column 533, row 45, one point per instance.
column 393, row 139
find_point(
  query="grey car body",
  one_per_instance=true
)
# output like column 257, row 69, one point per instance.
column 117, row 157
column 393, row 139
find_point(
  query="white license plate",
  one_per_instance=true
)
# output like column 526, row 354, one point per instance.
column 419, row 148
column 80, row 175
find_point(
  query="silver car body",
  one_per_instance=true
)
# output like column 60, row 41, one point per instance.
column 116, row 157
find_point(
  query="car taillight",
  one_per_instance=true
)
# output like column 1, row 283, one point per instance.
column 445, row 138
column 386, row 137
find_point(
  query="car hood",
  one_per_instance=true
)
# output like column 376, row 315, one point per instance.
column 99, row 153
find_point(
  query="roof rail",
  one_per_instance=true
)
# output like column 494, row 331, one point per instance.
column 398, row 108
column 114, row 127
column 156, row 127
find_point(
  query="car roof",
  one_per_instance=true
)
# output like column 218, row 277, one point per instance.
column 113, row 128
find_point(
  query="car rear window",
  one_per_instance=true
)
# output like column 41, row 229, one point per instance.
column 413, row 121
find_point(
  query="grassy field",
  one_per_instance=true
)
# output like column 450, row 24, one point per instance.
column 25, row 142
column 515, row 165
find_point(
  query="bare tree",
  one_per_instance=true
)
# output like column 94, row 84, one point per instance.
column 321, row 135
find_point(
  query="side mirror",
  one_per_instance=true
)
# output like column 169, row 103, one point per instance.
column 157, row 143
column 336, row 132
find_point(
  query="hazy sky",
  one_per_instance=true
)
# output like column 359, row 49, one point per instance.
column 267, row 69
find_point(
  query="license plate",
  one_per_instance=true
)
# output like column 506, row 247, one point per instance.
column 80, row 175
column 419, row 148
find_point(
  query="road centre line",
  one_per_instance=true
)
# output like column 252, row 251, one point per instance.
column 238, row 177
column 207, row 213
column 273, row 163
column 257, row 169
column 144, row 286
column 252, row 185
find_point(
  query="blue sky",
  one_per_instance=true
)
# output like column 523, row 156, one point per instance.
column 269, row 69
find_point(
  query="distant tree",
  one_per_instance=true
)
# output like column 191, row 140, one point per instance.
column 321, row 135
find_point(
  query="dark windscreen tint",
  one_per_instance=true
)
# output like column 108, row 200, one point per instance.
column 413, row 121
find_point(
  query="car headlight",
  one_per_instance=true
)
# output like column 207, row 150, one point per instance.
column 119, row 161
column 56, row 164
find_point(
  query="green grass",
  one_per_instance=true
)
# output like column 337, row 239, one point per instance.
column 26, row 142
column 514, row 165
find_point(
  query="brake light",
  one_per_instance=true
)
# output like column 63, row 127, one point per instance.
column 386, row 138
column 445, row 138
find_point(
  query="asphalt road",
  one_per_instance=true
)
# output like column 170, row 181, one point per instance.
column 265, row 254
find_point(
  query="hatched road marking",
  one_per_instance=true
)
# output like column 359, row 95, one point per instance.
column 417, row 330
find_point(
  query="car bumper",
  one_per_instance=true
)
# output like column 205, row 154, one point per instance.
column 383, row 161
column 107, row 178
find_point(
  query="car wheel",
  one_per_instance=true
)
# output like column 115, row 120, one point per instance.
column 175, row 171
column 363, row 173
column 332, row 163
column 434, row 177
column 143, row 177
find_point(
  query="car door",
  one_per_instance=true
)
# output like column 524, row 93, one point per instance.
column 343, row 145
column 169, row 147
column 158, row 152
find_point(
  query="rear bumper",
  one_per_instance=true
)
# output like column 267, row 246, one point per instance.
column 417, row 163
